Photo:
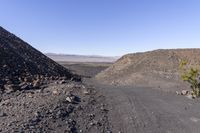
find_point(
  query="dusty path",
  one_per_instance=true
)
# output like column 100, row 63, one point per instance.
column 145, row 110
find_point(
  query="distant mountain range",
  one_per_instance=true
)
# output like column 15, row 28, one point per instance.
column 81, row 58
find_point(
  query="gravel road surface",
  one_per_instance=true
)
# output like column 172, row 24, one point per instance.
column 146, row 110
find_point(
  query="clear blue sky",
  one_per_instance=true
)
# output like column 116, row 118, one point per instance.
column 103, row 27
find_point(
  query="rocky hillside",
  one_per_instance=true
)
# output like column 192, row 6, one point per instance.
column 20, row 62
column 38, row 95
column 149, row 68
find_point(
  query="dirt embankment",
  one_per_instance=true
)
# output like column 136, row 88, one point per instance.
column 154, row 68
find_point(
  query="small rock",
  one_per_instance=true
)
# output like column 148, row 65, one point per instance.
column 2, row 114
column 9, row 124
column 25, row 86
column 4, row 66
column 70, row 85
column 56, row 82
column 71, row 123
column 63, row 81
column 30, row 95
column 37, row 114
column 59, row 114
column 8, row 81
column 68, row 99
column 5, row 102
column 36, row 84
column 11, row 88
column 91, row 116
column 70, row 108
column 93, row 123
column 103, row 109
column 69, row 93
column 55, row 92
column 83, row 86
column 73, row 99
column 184, row 92
column 177, row 93
column 34, row 121
column 20, row 130
column 28, row 79
column 86, row 92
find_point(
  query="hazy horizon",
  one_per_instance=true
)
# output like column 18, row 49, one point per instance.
column 116, row 56
column 106, row 27
column 77, row 55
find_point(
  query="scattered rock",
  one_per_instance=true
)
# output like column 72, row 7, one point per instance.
column 86, row 92
column 184, row 92
column 5, row 103
column 34, row 121
column 36, row 84
column 30, row 95
column 61, row 113
column 93, row 123
column 28, row 79
column 91, row 116
column 69, row 99
column 63, row 81
column 71, row 125
column 104, row 109
column 55, row 92
column 25, row 86
column 37, row 114
column 8, row 88
column 3, row 114
column 73, row 99
column 177, row 93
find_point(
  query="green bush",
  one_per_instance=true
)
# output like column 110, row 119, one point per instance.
column 190, row 74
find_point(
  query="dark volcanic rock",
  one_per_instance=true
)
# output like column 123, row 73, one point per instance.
column 38, row 95
column 19, row 60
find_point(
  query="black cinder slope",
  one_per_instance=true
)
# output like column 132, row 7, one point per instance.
column 18, row 60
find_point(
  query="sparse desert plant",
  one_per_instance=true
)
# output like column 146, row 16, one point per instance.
column 190, row 74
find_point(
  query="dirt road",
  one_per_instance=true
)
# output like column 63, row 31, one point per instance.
column 145, row 110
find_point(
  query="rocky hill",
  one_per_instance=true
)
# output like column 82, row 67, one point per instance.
column 153, row 68
column 20, row 62
column 39, row 95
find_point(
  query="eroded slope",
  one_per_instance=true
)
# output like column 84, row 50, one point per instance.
column 154, row 68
